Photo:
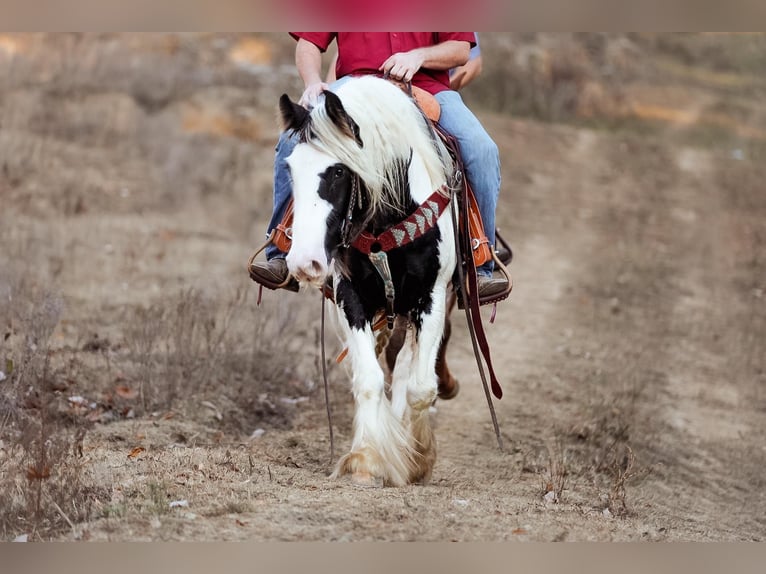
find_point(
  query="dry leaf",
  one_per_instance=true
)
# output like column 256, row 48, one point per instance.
column 78, row 401
column 518, row 531
column 136, row 451
column 167, row 235
column 126, row 392
column 95, row 416
column 37, row 473
column 550, row 496
column 59, row 385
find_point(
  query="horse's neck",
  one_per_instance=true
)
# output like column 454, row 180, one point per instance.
column 421, row 186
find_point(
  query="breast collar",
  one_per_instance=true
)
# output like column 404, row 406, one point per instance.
column 420, row 221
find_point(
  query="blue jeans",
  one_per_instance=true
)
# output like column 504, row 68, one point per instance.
column 481, row 161
column 283, row 186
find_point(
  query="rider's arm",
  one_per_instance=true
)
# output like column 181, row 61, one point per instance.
column 308, row 60
column 442, row 56
column 464, row 75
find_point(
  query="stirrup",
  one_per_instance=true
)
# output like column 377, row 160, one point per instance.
column 286, row 284
column 492, row 299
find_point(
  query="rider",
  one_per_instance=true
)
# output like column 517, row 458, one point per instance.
column 461, row 76
column 423, row 58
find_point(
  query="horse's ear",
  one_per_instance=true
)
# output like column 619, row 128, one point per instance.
column 339, row 116
column 294, row 116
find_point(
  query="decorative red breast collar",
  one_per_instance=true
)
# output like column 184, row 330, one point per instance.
column 417, row 224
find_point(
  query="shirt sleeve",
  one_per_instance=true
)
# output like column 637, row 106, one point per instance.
column 469, row 37
column 476, row 50
column 321, row 40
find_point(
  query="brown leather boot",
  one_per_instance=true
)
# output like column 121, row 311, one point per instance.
column 273, row 274
column 491, row 287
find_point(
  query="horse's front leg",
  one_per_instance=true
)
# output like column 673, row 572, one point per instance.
column 380, row 449
column 422, row 386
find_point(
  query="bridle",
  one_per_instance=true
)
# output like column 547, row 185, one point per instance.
column 354, row 201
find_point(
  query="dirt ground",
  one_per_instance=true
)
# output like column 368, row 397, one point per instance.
column 145, row 397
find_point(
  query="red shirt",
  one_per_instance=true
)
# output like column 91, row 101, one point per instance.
column 362, row 53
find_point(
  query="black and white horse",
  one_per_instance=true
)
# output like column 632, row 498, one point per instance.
column 372, row 210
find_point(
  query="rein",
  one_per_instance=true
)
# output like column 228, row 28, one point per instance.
column 327, row 388
column 473, row 317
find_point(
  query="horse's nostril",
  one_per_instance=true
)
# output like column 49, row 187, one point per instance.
column 317, row 267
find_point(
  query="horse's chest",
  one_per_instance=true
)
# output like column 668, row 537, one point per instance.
column 414, row 270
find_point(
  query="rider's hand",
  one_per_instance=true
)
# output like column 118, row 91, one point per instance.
column 403, row 65
column 311, row 94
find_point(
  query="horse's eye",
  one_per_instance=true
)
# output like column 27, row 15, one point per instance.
column 339, row 171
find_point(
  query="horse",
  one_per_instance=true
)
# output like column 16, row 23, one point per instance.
column 372, row 189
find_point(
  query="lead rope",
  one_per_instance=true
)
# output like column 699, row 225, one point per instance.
column 327, row 387
column 469, row 318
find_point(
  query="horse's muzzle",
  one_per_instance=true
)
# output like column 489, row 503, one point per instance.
column 312, row 271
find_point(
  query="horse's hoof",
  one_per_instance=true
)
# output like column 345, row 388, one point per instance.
column 448, row 390
column 366, row 480
column 356, row 466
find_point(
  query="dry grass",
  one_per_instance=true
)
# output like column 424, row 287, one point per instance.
column 187, row 353
column 41, row 472
column 86, row 139
column 555, row 479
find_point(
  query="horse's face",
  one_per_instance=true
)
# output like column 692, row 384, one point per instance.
column 321, row 190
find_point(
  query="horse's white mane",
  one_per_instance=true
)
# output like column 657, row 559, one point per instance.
column 391, row 127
